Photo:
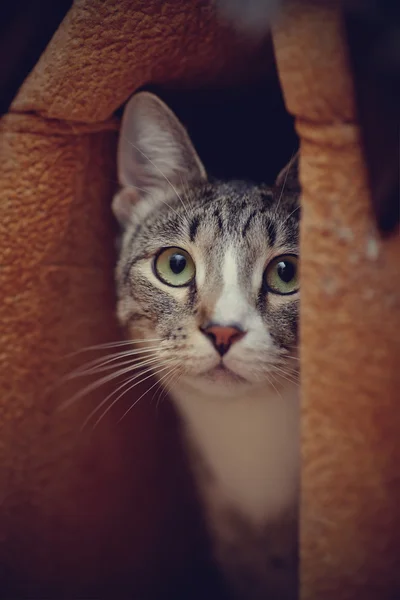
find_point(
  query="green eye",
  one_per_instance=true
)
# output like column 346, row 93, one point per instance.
column 174, row 267
column 281, row 275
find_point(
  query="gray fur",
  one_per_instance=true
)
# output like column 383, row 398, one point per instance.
column 178, row 207
column 225, row 212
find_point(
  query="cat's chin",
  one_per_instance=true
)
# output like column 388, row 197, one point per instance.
column 224, row 375
column 219, row 382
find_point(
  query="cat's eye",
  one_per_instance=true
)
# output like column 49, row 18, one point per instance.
column 174, row 266
column 281, row 275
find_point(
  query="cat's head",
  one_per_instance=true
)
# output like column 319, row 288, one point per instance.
column 208, row 272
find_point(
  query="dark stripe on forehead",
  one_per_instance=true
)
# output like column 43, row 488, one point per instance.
column 271, row 230
column 217, row 215
column 194, row 225
column 248, row 222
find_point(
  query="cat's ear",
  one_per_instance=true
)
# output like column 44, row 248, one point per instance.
column 289, row 175
column 155, row 154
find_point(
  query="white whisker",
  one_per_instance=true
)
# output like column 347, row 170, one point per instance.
column 286, row 370
column 284, row 366
column 111, row 345
column 284, row 182
column 98, row 363
column 286, row 377
column 136, row 401
column 164, row 388
column 288, row 217
column 138, row 378
column 159, row 392
column 271, row 383
column 96, row 384
column 102, row 368
column 120, row 387
column 130, row 388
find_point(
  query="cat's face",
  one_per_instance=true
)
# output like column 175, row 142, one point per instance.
column 208, row 272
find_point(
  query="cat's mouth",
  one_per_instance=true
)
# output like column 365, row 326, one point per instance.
column 222, row 373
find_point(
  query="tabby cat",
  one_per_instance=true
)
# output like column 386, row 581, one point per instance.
column 208, row 286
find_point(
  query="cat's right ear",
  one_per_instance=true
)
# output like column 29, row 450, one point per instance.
column 155, row 154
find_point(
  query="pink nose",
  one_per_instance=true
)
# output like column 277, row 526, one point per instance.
column 223, row 336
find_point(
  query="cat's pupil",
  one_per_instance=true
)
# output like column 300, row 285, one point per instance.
column 286, row 271
column 177, row 263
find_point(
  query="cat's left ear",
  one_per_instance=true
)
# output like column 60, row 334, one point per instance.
column 155, row 154
column 289, row 175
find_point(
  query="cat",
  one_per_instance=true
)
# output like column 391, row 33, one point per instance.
column 208, row 275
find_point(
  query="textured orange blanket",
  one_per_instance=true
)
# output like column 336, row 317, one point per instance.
column 350, row 517
column 83, row 514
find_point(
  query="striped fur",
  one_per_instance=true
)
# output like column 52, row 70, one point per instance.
column 242, row 424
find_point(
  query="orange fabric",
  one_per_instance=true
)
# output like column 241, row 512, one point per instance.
column 350, row 323
column 87, row 512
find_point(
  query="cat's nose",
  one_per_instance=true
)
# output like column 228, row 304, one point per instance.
column 223, row 336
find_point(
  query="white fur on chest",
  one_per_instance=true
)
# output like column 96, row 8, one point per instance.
column 251, row 445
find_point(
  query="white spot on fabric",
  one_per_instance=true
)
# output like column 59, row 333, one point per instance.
column 372, row 251
column 368, row 294
column 345, row 234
